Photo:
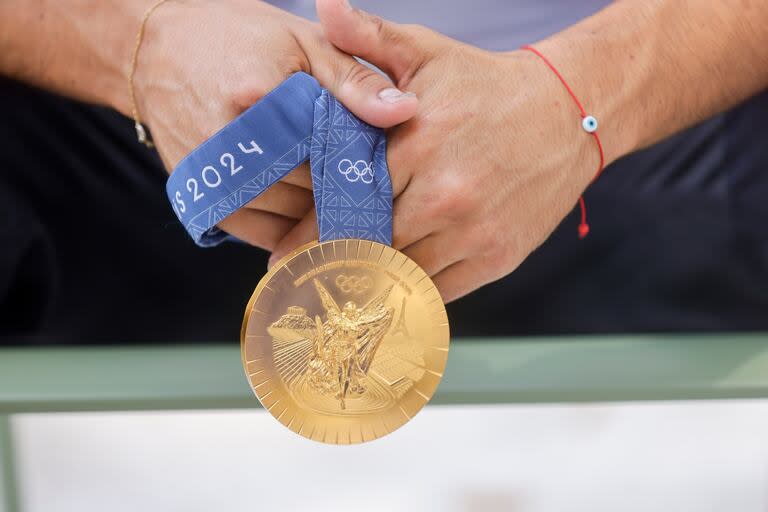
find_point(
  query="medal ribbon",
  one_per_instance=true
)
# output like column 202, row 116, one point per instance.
column 298, row 120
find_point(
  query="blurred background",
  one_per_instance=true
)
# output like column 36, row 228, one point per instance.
column 665, row 456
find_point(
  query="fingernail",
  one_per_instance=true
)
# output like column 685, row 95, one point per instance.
column 392, row 95
column 272, row 261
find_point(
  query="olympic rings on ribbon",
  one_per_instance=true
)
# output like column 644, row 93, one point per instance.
column 353, row 284
column 360, row 170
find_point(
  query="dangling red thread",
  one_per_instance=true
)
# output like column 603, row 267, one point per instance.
column 583, row 226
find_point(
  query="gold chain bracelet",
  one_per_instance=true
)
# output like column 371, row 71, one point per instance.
column 141, row 132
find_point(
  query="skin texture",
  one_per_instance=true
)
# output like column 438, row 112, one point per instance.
column 496, row 156
column 190, row 80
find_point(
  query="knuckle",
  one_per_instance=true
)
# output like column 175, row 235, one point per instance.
column 239, row 95
column 376, row 22
column 243, row 88
column 412, row 41
column 499, row 253
column 293, row 61
column 455, row 198
column 357, row 75
column 395, row 36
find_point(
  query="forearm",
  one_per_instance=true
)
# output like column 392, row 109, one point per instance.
column 649, row 69
column 78, row 48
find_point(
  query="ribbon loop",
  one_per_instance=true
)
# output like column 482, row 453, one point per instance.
column 350, row 179
column 298, row 120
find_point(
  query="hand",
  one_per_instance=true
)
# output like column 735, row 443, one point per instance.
column 493, row 161
column 203, row 63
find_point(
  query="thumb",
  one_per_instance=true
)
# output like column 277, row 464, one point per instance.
column 395, row 49
column 370, row 95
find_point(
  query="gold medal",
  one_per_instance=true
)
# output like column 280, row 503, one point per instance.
column 345, row 341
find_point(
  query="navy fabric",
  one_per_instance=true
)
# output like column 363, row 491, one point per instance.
column 298, row 120
column 91, row 253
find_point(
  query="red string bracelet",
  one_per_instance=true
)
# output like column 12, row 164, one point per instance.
column 589, row 123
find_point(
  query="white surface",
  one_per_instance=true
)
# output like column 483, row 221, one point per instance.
column 681, row 457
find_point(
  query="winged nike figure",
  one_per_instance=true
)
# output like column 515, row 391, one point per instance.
column 346, row 343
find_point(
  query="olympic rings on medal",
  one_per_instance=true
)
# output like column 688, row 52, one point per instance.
column 360, row 170
column 353, row 284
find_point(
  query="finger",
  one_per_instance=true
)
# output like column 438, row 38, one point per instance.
column 302, row 233
column 435, row 252
column 411, row 220
column 261, row 229
column 365, row 92
column 401, row 167
column 457, row 280
column 284, row 199
column 391, row 47
column 299, row 177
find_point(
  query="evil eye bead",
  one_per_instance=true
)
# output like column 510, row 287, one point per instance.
column 589, row 124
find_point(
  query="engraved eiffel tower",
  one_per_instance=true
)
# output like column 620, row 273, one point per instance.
column 400, row 327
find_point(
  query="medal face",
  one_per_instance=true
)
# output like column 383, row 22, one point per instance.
column 345, row 341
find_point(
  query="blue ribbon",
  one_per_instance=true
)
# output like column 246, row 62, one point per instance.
column 298, row 120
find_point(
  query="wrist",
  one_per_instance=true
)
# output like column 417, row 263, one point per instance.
column 541, row 101
column 603, row 90
column 119, row 97
column 80, row 48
